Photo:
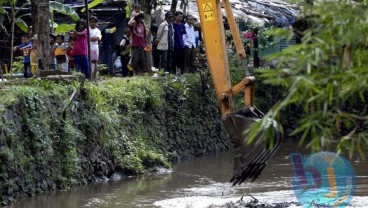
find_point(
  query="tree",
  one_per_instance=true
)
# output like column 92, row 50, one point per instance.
column 42, row 10
column 326, row 76
column 174, row 4
column 14, row 19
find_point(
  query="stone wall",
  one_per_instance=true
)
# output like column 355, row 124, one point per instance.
column 49, row 141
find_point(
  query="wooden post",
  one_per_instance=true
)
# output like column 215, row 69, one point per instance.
column 88, row 41
column 6, row 70
column 256, row 48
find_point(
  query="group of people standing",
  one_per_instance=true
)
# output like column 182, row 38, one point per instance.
column 65, row 55
column 176, row 43
column 173, row 44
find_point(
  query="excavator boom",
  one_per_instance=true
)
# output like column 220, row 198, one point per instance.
column 247, row 164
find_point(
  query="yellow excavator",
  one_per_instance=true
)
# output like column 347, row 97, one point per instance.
column 248, row 162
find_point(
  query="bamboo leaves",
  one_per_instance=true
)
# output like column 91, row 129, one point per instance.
column 326, row 76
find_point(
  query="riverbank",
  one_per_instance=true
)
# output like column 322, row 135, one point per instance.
column 57, row 135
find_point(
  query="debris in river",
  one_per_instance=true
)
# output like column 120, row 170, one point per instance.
column 254, row 204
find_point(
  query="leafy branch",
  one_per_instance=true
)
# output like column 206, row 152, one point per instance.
column 326, row 77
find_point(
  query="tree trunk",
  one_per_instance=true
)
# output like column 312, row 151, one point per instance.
column 34, row 16
column 146, row 8
column 43, row 31
column 174, row 3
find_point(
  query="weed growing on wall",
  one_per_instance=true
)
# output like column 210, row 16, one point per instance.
column 120, row 104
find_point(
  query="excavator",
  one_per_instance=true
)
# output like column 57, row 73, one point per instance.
column 248, row 161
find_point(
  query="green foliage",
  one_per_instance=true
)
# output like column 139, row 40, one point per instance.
column 2, row 16
column 64, row 9
column 2, row 10
column 119, row 103
column 54, row 7
column 63, row 28
column 93, row 4
column 21, row 24
column 331, row 95
column 18, row 21
column 267, row 37
column 17, row 65
column 43, row 138
column 178, row 85
column 103, row 67
column 6, row 154
column 67, row 142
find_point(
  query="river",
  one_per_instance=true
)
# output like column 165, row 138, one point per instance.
column 198, row 182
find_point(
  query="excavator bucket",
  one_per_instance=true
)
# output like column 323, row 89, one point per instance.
column 249, row 163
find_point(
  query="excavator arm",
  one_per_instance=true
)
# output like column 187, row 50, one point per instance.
column 247, row 163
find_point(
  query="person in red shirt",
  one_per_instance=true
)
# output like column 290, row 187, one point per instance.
column 138, row 30
column 80, row 48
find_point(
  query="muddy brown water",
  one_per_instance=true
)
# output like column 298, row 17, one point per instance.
column 196, row 182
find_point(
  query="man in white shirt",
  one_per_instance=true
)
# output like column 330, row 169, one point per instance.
column 95, row 38
column 165, row 42
column 189, row 46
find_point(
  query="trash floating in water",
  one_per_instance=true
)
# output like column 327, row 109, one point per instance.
column 257, row 200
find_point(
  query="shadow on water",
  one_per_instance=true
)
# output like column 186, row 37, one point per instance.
column 204, row 177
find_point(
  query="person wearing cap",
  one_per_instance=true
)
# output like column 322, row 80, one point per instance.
column 165, row 38
column 138, row 30
column 94, row 38
column 52, row 61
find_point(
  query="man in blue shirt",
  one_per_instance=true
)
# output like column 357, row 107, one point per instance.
column 25, row 47
column 179, row 31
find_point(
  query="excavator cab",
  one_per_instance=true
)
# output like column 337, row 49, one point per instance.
column 248, row 162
